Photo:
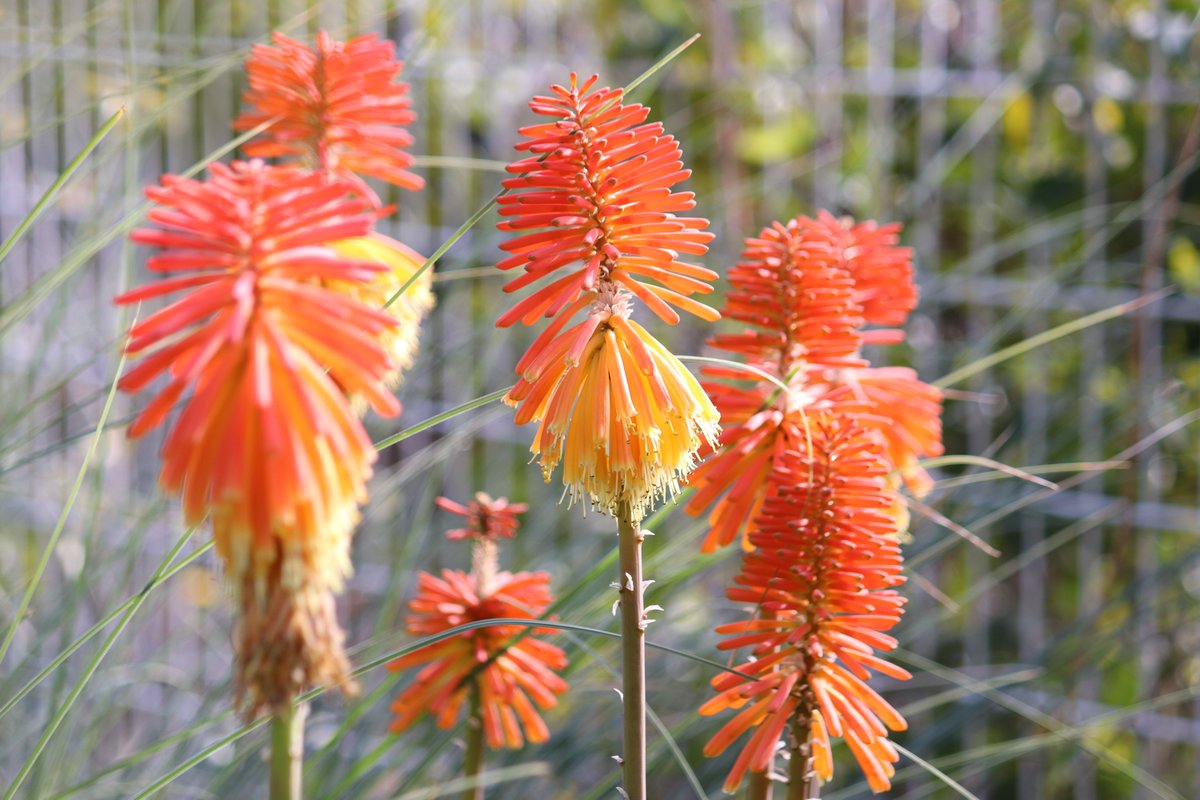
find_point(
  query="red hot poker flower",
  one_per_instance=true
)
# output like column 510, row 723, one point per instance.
column 791, row 287
column 882, row 272
column 511, row 668
column 823, row 576
column 486, row 518
column 267, row 443
column 906, row 411
column 338, row 105
column 596, row 194
column 808, row 288
column 596, row 197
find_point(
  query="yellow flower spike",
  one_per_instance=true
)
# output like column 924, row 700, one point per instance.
column 409, row 309
column 625, row 421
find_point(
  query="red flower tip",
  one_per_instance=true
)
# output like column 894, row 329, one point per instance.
column 509, row 666
column 882, row 272
column 338, row 108
column 791, row 286
column 267, row 442
column 906, row 411
column 595, row 196
column 823, row 576
column 486, row 518
column 807, row 288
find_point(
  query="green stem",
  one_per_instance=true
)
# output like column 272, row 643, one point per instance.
column 633, row 653
column 803, row 783
column 760, row 786
column 473, row 761
column 287, row 752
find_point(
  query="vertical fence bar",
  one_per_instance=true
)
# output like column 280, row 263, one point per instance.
column 881, row 138
column 827, row 41
column 1091, row 431
column 979, row 321
column 1149, row 374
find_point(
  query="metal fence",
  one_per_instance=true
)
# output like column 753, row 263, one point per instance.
column 1041, row 155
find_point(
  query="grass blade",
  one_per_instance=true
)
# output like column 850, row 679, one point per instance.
column 36, row 580
column 1046, row 337
column 934, row 771
column 158, row 579
column 47, row 198
column 93, row 665
column 440, row 418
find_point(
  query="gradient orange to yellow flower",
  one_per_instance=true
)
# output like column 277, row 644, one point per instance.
column 808, row 289
column 506, row 672
column 596, row 214
column 400, row 263
column 266, row 443
column 822, row 577
column 617, row 410
column 337, row 108
column 334, row 107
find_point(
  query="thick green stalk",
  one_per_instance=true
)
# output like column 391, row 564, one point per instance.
column 803, row 783
column 760, row 786
column 287, row 752
column 473, row 761
column 633, row 652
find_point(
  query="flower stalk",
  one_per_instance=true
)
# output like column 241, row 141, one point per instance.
column 501, row 674
column 633, row 652
column 760, row 785
column 287, row 752
column 473, row 759
column 803, row 783
column 594, row 211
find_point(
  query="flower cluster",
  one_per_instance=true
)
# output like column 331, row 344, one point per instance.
column 805, row 473
column 266, row 444
column 505, row 671
column 279, row 341
column 822, row 578
column 486, row 518
column 808, row 289
column 337, row 108
column 594, row 208
column 334, row 107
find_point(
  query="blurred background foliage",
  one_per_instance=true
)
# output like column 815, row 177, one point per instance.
column 1041, row 154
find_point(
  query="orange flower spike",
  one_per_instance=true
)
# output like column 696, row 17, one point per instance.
column 399, row 263
column 823, row 574
column 789, row 287
column 265, row 350
column 513, row 669
column 905, row 410
column 486, row 518
column 596, row 195
column 882, row 271
column 596, row 199
column 808, row 288
column 337, row 107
